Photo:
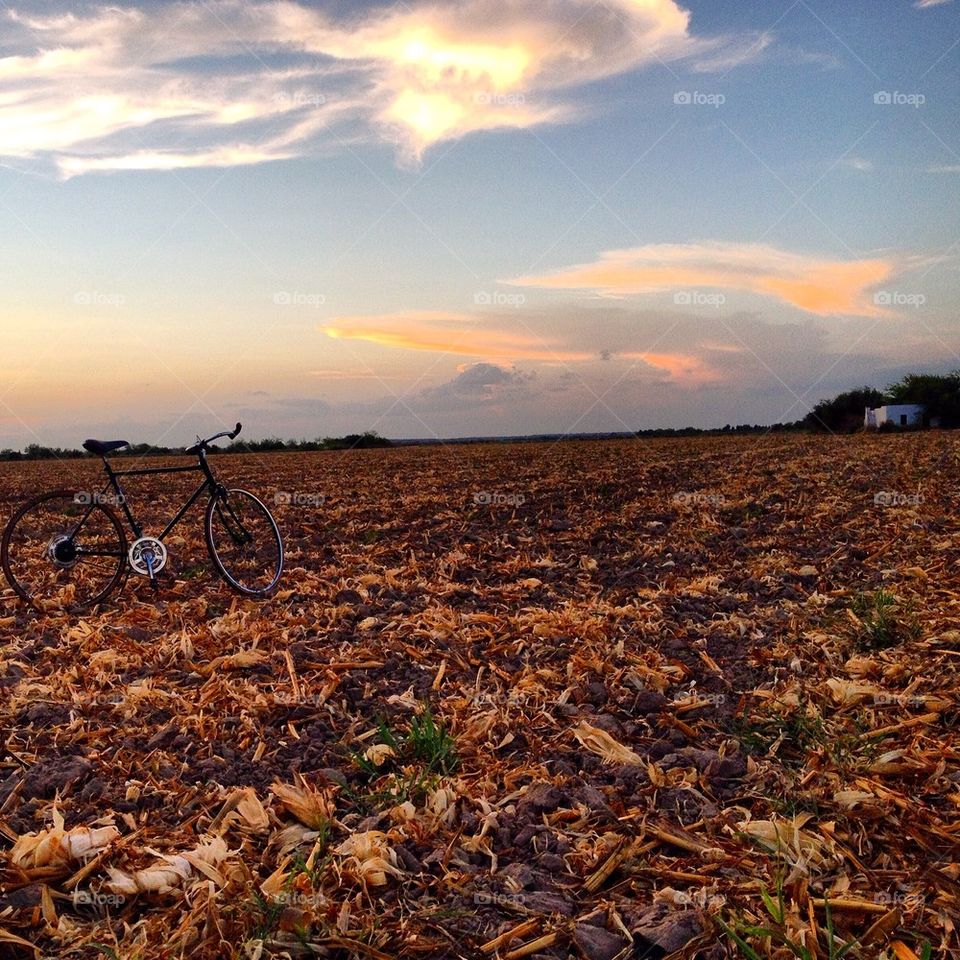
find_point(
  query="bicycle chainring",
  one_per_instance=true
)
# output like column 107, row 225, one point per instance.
column 147, row 549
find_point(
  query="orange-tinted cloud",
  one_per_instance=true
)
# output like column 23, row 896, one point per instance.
column 453, row 333
column 815, row 285
column 485, row 338
column 683, row 367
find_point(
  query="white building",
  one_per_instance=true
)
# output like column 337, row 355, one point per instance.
column 897, row 414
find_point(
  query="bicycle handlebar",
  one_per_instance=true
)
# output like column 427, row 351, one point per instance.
column 202, row 444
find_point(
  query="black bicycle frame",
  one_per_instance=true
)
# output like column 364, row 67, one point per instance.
column 209, row 484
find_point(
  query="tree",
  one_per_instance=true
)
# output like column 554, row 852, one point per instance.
column 939, row 393
column 844, row 413
column 356, row 441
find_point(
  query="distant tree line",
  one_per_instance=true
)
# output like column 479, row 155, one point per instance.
column 740, row 428
column 939, row 393
column 352, row 441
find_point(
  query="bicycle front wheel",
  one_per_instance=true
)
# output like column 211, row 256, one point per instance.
column 63, row 553
column 244, row 542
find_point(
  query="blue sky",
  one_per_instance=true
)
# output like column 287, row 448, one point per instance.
column 481, row 218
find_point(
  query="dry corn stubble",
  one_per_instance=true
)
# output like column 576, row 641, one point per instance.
column 652, row 690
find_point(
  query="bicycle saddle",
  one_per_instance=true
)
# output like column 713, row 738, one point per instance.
column 103, row 447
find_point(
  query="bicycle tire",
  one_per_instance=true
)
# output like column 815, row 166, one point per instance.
column 234, row 506
column 39, row 579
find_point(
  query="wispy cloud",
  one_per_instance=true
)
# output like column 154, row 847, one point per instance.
column 495, row 339
column 460, row 335
column 924, row 4
column 227, row 82
column 684, row 368
column 813, row 284
column 331, row 375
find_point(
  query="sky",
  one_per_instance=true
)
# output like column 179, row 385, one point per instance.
column 490, row 217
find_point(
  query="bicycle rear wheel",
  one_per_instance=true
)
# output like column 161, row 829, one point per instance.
column 244, row 542
column 62, row 553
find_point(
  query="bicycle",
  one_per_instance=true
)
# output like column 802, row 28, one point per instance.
column 68, row 550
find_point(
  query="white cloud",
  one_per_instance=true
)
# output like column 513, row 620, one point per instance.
column 228, row 82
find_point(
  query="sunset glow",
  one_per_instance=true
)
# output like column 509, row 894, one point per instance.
column 469, row 218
